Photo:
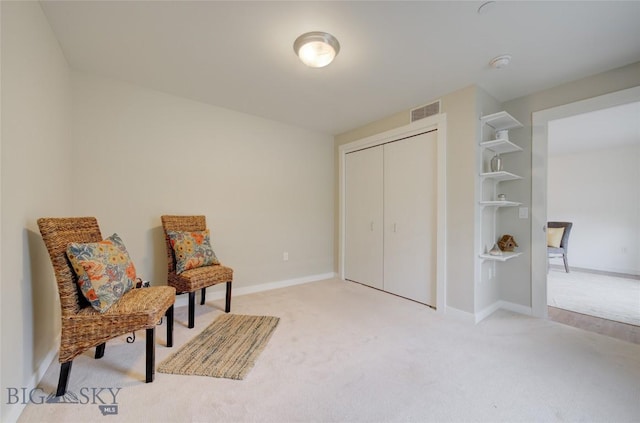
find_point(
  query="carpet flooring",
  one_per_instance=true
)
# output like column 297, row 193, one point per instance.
column 608, row 297
column 343, row 352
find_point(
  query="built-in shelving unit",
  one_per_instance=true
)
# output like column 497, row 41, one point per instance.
column 504, row 257
column 500, row 120
column 498, row 203
column 500, row 146
column 500, row 176
column 490, row 180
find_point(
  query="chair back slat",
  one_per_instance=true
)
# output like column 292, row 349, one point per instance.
column 179, row 223
column 57, row 234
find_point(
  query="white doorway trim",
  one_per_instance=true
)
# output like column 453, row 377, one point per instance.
column 539, row 152
column 439, row 123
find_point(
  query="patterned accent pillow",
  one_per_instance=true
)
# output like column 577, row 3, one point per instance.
column 192, row 249
column 104, row 269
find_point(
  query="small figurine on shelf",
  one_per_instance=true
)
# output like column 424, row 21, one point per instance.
column 502, row 134
column 507, row 243
column 495, row 251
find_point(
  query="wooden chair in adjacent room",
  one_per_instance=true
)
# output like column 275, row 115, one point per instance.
column 190, row 271
column 83, row 326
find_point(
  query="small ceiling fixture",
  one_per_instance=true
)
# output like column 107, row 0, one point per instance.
column 500, row 61
column 316, row 49
column 486, row 7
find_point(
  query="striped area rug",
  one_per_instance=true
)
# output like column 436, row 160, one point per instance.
column 227, row 348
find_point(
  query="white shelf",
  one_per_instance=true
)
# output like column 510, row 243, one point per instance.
column 504, row 257
column 489, row 181
column 500, row 146
column 500, row 203
column 501, row 120
column 500, row 176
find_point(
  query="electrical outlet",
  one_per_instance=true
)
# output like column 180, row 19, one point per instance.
column 523, row 212
column 285, row 256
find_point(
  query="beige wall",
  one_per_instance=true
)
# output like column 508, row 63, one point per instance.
column 512, row 280
column 605, row 227
column 74, row 144
column 265, row 187
column 36, row 181
column 460, row 108
column 515, row 281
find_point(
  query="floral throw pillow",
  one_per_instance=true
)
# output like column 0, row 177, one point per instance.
column 104, row 269
column 192, row 249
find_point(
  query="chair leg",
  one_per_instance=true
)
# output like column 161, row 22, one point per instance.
column 151, row 355
column 227, row 306
column 566, row 263
column 192, row 309
column 63, row 381
column 100, row 350
column 203, row 293
column 169, row 314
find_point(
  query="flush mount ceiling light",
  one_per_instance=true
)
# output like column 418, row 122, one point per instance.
column 316, row 49
column 486, row 7
column 500, row 61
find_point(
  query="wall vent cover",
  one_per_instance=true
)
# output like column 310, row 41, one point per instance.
column 425, row 111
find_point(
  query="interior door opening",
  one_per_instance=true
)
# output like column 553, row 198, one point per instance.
column 541, row 145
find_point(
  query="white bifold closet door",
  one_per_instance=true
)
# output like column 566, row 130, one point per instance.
column 363, row 217
column 390, row 217
column 410, row 194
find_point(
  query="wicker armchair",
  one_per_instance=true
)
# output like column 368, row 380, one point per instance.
column 195, row 279
column 82, row 326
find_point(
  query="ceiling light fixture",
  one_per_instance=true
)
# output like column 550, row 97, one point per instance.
column 316, row 49
column 500, row 61
column 486, row 7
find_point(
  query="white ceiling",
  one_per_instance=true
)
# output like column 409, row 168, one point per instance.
column 394, row 55
column 608, row 128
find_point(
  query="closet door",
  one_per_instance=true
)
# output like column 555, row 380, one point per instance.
column 410, row 204
column 363, row 216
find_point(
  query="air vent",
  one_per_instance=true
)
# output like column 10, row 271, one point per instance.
column 425, row 111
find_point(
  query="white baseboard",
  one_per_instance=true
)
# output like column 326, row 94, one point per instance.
column 516, row 308
column 619, row 273
column 14, row 410
column 462, row 316
column 183, row 300
column 465, row 316
column 487, row 311
column 502, row 305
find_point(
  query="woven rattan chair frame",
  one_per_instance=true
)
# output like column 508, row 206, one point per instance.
column 82, row 326
column 193, row 280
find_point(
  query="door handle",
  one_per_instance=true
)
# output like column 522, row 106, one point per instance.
column 371, row 226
